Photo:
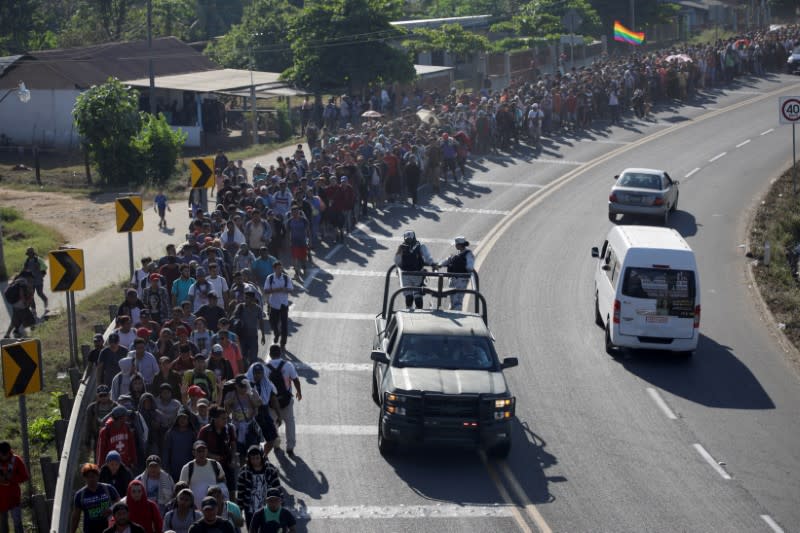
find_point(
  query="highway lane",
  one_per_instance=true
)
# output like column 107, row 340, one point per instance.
column 623, row 463
column 593, row 450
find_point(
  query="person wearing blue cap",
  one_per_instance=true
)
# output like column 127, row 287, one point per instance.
column 114, row 473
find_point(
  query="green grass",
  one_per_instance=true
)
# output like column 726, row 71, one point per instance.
column 52, row 334
column 777, row 220
column 19, row 234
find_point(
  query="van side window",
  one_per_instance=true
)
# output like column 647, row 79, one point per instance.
column 611, row 261
column 615, row 273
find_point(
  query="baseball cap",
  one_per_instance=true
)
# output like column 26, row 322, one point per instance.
column 200, row 355
column 209, row 502
column 144, row 333
column 155, row 277
column 119, row 411
column 199, row 444
column 203, row 401
column 216, row 348
column 196, row 391
column 113, row 455
column 274, row 493
column 113, row 337
column 153, row 460
column 98, row 337
column 103, row 389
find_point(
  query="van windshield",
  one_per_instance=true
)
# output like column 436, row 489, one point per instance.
column 673, row 290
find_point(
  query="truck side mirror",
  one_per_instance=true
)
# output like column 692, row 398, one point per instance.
column 379, row 357
column 595, row 251
column 509, row 362
column 616, row 176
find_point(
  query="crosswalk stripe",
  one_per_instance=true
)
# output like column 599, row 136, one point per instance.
column 334, row 367
column 331, row 316
column 505, row 184
column 345, row 430
column 360, row 234
column 383, row 512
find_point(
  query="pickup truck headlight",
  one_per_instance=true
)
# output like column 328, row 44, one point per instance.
column 504, row 403
column 391, row 402
column 504, row 408
column 395, row 410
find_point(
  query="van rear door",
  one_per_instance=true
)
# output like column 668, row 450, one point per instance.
column 658, row 301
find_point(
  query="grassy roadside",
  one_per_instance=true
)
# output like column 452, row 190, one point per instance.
column 43, row 406
column 777, row 220
column 20, row 233
column 65, row 172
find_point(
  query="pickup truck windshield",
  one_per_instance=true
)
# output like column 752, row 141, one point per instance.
column 445, row 352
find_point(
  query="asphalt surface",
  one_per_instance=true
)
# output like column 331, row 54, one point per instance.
column 601, row 443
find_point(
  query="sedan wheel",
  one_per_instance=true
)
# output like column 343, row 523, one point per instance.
column 675, row 205
column 666, row 217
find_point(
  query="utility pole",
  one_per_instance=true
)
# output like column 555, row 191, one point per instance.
column 152, row 93
column 253, row 107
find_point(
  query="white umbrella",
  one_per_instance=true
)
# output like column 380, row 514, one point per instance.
column 428, row 117
column 371, row 114
column 682, row 58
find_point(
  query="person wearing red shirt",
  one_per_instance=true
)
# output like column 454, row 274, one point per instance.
column 13, row 473
column 117, row 435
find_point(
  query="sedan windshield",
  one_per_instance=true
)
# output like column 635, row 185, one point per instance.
column 640, row 181
column 447, row 352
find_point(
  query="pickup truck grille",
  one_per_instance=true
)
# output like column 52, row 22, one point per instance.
column 463, row 407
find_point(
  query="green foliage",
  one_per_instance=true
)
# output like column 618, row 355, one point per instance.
column 345, row 43
column 43, row 428
column 262, row 36
column 158, row 148
column 20, row 233
column 452, row 38
column 646, row 14
column 542, row 18
column 107, row 117
column 283, row 126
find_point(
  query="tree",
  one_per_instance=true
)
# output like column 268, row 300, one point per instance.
column 646, row 14
column 158, row 147
column 264, row 32
column 542, row 18
column 346, row 43
column 451, row 38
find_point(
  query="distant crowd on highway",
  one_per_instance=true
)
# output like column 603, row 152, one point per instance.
column 189, row 393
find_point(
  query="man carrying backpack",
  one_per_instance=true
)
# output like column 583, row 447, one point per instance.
column 277, row 287
column 38, row 268
column 282, row 374
column 19, row 295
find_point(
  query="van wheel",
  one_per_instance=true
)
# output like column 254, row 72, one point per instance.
column 500, row 451
column 385, row 446
column 598, row 318
column 610, row 348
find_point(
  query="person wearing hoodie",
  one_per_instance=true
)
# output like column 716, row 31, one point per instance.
column 121, row 384
column 141, row 510
column 244, row 258
column 181, row 518
column 154, row 419
column 158, row 484
column 256, row 375
column 114, row 473
column 117, row 435
column 256, row 477
column 137, row 388
column 168, row 405
column 177, row 450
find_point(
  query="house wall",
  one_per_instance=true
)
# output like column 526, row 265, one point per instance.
column 46, row 120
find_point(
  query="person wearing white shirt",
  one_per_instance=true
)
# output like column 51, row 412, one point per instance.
column 143, row 361
column 218, row 283
column 289, row 376
column 277, row 287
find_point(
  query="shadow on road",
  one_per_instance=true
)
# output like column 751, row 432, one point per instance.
column 713, row 377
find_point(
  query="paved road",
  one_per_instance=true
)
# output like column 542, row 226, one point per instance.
column 593, row 450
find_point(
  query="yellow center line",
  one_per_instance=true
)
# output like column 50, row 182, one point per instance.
column 515, row 509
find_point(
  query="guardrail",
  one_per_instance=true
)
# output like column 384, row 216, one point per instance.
column 70, row 455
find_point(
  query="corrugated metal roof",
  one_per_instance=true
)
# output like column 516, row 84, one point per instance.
column 226, row 79
column 80, row 68
column 465, row 22
column 422, row 70
column 7, row 62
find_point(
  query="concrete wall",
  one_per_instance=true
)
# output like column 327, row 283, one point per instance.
column 46, row 120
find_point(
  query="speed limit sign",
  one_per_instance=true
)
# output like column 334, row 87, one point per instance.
column 789, row 109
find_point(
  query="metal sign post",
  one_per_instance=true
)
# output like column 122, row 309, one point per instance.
column 789, row 113
column 129, row 219
column 67, row 275
column 571, row 20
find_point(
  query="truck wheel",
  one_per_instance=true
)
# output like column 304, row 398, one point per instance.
column 500, row 451
column 385, row 446
column 598, row 318
column 375, row 396
column 609, row 345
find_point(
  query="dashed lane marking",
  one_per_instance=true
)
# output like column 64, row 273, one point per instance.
column 310, row 278
column 768, row 131
column 505, row 184
column 692, row 172
column 330, row 316
column 773, row 525
column 742, row 143
column 451, row 209
column 710, row 460
column 357, row 272
column 718, row 156
column 441, row 510
column 661, row 403
column 333, row 252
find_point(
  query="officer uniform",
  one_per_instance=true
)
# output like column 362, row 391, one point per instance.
column 462, row 262
column 412, row 256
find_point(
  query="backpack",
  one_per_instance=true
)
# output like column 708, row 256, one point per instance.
column 214, row 465
column 276, row 377
column 202, row 381
column 13, row 293
column 271, row 280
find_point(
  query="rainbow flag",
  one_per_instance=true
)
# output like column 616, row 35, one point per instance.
column 623, row 34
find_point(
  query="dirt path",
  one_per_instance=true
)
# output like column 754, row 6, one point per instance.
column 76, row 218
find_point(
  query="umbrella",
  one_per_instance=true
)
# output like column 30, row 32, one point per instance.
column 371, row 114
column 427, row 116
column 681, row 58
column 741, row 43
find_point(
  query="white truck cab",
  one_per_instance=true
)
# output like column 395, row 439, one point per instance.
column 647, row 290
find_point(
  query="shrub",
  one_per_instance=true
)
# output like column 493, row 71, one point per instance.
column 158, row 147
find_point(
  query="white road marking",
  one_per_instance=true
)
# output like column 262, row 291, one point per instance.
column 451, row 209
column 601, row 141
column 742, row 143
column 446, row 510
column 319, row 429
column 310, row 277
column 723, row 154
column 505, row 184
column 661, row 403
column 690, row 174
column 334, row 367
column 531, row 510
column 398, row 238
column 556, row 161
column 768, row 131
column 330, row 316
column 710, row 460
column 773, row 525
column 356, row 272
column 333, row 252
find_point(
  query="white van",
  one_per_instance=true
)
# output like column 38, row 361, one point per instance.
column 647, row 290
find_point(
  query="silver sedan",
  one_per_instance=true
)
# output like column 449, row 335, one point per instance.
column 643, row 191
